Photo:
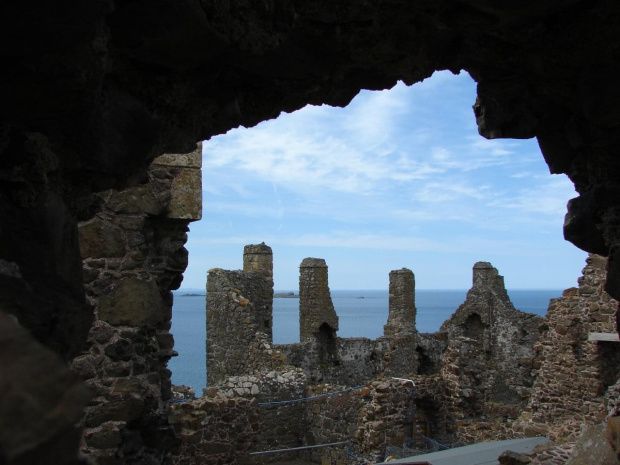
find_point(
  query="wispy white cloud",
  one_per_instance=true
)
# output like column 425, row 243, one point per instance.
column 449, row 191
column 386, row 242
column 370, row 120
column 548, row 198
column 340, row 239
column 300, row 162
column 244, row 209
column 403, row 170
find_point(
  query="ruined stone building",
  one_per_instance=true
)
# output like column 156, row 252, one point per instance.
column 477, row 368
column 572, row 370
column 93, row 94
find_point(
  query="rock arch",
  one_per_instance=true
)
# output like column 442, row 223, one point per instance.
column 93, row 91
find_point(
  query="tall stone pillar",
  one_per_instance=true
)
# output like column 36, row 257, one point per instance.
column 317, row 317
column 401, row 318
column 259, row 258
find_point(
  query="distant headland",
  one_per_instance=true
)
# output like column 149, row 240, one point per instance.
column 276, row 295
column 285, row 295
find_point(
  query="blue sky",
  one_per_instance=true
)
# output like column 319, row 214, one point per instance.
column 398, row 178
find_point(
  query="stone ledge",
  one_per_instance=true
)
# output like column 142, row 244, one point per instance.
column 604, row 337
column 183, row 160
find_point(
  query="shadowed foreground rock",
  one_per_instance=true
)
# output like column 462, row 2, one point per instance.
column 37, row 424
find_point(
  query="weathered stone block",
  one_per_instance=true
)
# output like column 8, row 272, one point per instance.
column 107, row 436
column 99, row 239
column 124, row 410
column 131, row 222
column 90, row 275
column 165, row 340
column 122, row 368
column 593, row 447
column 186, row 200
column 119, row 350
column 613, row 433
column 133, row 302
column 513, row 458
column 138, row 199
column 532, row 430
column 570, row 292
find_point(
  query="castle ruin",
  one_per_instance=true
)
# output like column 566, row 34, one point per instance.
column 473, row 378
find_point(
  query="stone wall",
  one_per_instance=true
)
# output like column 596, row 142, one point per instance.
column 387, row 418
column 236, row 344
column 369, row 419
column 573, row 373
column 215, row 430
column 502, row 337
column 333, row 418
column 280, row 424
column 133, row 256
column 382, row 415
column 472, row 392
column 232, row 421
column 431, row 347
column 354, row 361
column 433, row 415
column 401, row 357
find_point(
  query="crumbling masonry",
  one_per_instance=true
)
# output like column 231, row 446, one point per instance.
column 317, row 317
column 401, row 317
column 479, row 366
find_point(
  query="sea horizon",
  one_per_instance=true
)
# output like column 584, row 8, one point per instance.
column 361, row 313
column 203, row 290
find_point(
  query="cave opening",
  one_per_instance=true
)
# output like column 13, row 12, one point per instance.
column 397, row 177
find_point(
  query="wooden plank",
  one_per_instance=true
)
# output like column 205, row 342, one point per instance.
column 604, row 337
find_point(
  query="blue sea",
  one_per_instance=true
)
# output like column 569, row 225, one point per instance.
column 361, row 314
